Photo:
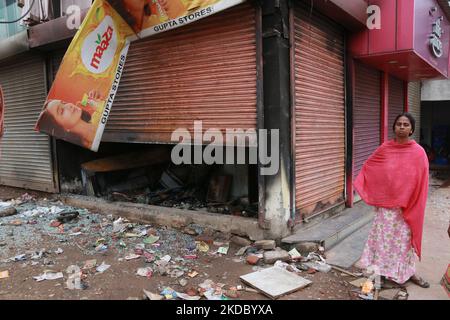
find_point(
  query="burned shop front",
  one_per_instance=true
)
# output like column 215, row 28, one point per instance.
column 198, row 78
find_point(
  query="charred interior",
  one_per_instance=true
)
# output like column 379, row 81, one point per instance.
column 144, row 173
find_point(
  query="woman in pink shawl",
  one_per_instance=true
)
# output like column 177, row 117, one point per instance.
column 395, row 181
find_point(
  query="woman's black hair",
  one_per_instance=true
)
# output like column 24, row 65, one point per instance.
column 411, row 120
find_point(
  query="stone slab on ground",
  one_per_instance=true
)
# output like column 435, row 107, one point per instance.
column 275, row 282
column 348, row 251
column 271, row 257
column 333, row 229
column 265, row 244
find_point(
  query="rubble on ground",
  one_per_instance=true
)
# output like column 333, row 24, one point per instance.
column 159, row 251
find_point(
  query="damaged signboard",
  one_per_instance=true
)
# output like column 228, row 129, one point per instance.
column 148, row 17
column 81, row 96
column 79, row 102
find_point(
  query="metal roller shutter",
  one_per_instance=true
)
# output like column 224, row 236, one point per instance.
column 319, row 112
column 414, row 106
column 25, row 159
column 396, row 102
column 366, row 114
column 204, row 71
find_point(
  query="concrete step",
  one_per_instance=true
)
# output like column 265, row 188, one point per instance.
column 333, row 230
column 348, row 251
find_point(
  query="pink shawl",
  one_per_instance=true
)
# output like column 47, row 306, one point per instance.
column 396, row 176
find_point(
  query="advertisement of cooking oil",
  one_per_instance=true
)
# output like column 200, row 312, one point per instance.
column 80, row 99
column 148, row 17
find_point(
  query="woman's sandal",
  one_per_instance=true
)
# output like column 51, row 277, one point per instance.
column 419, row 281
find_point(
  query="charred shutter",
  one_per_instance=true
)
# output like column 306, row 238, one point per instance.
column 319, row 112
column 366, row 114
column 414, row 106
column 396, row 102
column 203, row 71
column 26, row 158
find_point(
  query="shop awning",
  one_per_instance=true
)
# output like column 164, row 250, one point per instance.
column 412, row 43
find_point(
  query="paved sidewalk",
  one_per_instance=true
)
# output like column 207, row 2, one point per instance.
column 435, row 247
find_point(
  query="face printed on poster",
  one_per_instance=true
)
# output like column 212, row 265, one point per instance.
column 81, row 97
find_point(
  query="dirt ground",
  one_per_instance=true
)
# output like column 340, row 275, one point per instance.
column 22, row 234
column 29, row 231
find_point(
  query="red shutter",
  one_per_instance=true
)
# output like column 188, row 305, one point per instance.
column 319, row 112
column 366, row 114
column 203, row 71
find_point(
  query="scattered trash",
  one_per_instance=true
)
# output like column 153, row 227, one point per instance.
column 166, row 258
column 16, row 223
column 139, row 249
column 185, row 296
column 367, row 287
column 131, row 235
column 149, row 258
column 222, row 250
column 132, row 257
column 66, row 217
column 242, row 251
column 193, row 274
column 119, row 226
column 358, row 282
column 402, row 295
column 59, row 251
column 20, row 257
column 366, row 296
column 145, row 272
column 183, row 282
column 202, row 246
column 49, row 275
column 100, row 241
column 38, row 255
column 233, row 294
column 55, row 224
column 152, row 296
column 89, row 264
column 190, row 256
column 8, row 211
column 319, row 266
column 151, row 239
column 4, row 274
column 169, row 293
column 286, row 266
column 175, row 273
column 295, row 254
column 101, row 248
column 347, row 272
column 103, row 267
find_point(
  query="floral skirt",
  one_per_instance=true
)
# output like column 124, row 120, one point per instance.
column 388, row 248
